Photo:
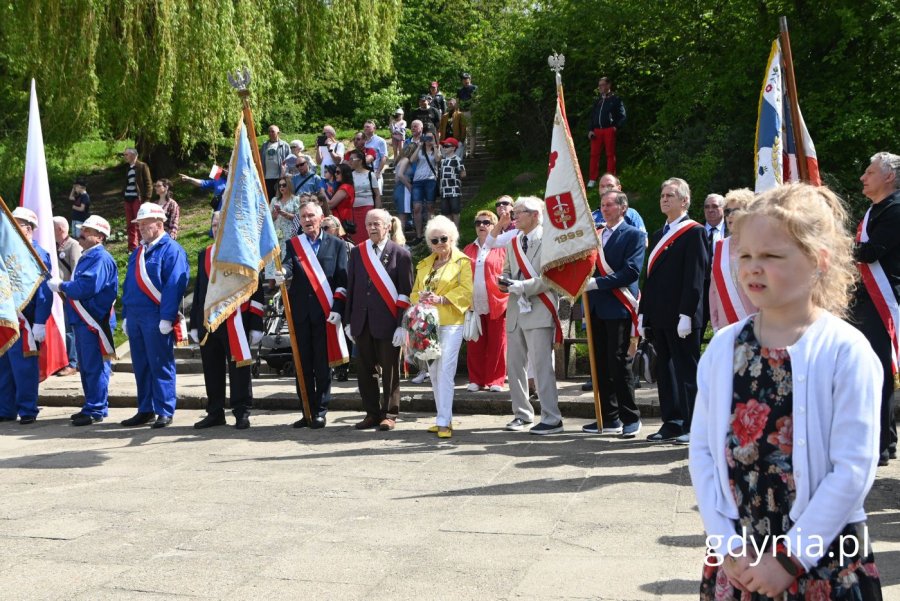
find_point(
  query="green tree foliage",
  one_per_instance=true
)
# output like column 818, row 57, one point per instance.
column 155, row 69
column 690, row 73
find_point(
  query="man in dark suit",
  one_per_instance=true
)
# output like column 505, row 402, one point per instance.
column 316, row 264
column 671, row 308
column 878, row 254
column 612, row 303
column 246, row 325
column 379, row 281
column 714, row 212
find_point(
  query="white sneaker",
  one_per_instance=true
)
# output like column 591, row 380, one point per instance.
column 683, row 439
column 495, row 388
column 592, row 183
column 473, row 387
column 419, row 377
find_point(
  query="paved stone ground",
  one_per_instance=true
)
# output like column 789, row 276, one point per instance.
column 104, row 512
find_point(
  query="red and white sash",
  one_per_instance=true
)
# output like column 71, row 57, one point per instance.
column 623, row 294
column 100, row 328
column 237, row 337
column 337, row 344
column 882, row 295
column 146, row 284
column 383, row 282
column 29, row 345
column 675, row 232
column 725, row 285
column 526, row 267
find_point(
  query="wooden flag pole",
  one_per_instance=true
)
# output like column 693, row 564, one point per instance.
column 788, row 66
column 285, row 300
column 557, row 63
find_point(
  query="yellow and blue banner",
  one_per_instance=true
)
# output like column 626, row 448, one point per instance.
column 20, row 276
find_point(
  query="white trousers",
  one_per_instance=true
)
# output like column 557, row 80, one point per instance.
column 443, row 372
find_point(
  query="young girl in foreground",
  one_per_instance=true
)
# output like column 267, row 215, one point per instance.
column 784, row 439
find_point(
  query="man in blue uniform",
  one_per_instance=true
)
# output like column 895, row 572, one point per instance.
column 228, row 346
column 154, row 286
column 19, row 371
column 90, row 296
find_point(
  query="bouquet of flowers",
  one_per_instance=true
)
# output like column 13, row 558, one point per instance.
column 421, row 325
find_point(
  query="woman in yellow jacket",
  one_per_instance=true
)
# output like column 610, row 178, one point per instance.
column 444, row 279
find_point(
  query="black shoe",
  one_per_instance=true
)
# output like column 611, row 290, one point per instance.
column 588, row 386
column 883, row 458
column 210, row 420
column 161, row 422
column 27, row 419
column 341, row 373
column 318, row 423
column 243, row 421
column 83, row 419
column 138, row 419
column 301, row 423
column 3, row 418
column 892, row 453
column 668, row 431
column 74, row 415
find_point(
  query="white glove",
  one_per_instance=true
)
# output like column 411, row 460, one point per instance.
column 124, row 330
column 279, row 277
column 397, row 340
column 39, row 331
column 641, row 331
column 165, row 327
column 255, row 337
column 516, row 287
column 684, row 326
column 54, row 283
column 349, row 335
column 195, row 336
column 591, row 285
column 333, row 318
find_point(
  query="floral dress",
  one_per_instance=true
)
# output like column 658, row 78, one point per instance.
column 758, row 451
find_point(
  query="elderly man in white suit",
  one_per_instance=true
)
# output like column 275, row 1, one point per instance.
column 532, row 322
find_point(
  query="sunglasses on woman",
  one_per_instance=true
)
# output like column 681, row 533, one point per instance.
column 282, row 185
column 483, row 222
column 326, row 228
column 731, row 211
column 442, row 240
column 502, row 204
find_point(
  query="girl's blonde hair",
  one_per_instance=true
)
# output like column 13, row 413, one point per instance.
column 816, row 219
column 396, row 232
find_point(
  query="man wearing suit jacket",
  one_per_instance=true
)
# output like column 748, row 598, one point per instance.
column 379, row 281
column 714, row 212
column 671, row 308
column 314, row 257
column 243, row 330
column 612, row 303
column 532, row 323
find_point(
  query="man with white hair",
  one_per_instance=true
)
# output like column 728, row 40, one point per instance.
column 90, row 295
column 154, row 286
column 671, row 308
column 874, row 309
column 532, row 322
column 68, row 251
column 316, row 264
column 19, row 370
column 379, row 282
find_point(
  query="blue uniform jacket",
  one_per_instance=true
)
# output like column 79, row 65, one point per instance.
column 624, row 252
column 95, row 283
column 38, row 310
column 168, row 269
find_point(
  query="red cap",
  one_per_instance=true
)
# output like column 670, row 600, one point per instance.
column 450, row 141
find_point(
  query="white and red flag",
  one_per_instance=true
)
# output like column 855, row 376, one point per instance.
column 570, row 242
column 36, row 196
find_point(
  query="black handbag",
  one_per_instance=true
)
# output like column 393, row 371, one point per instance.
column 643, row 364
column 349, row 226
